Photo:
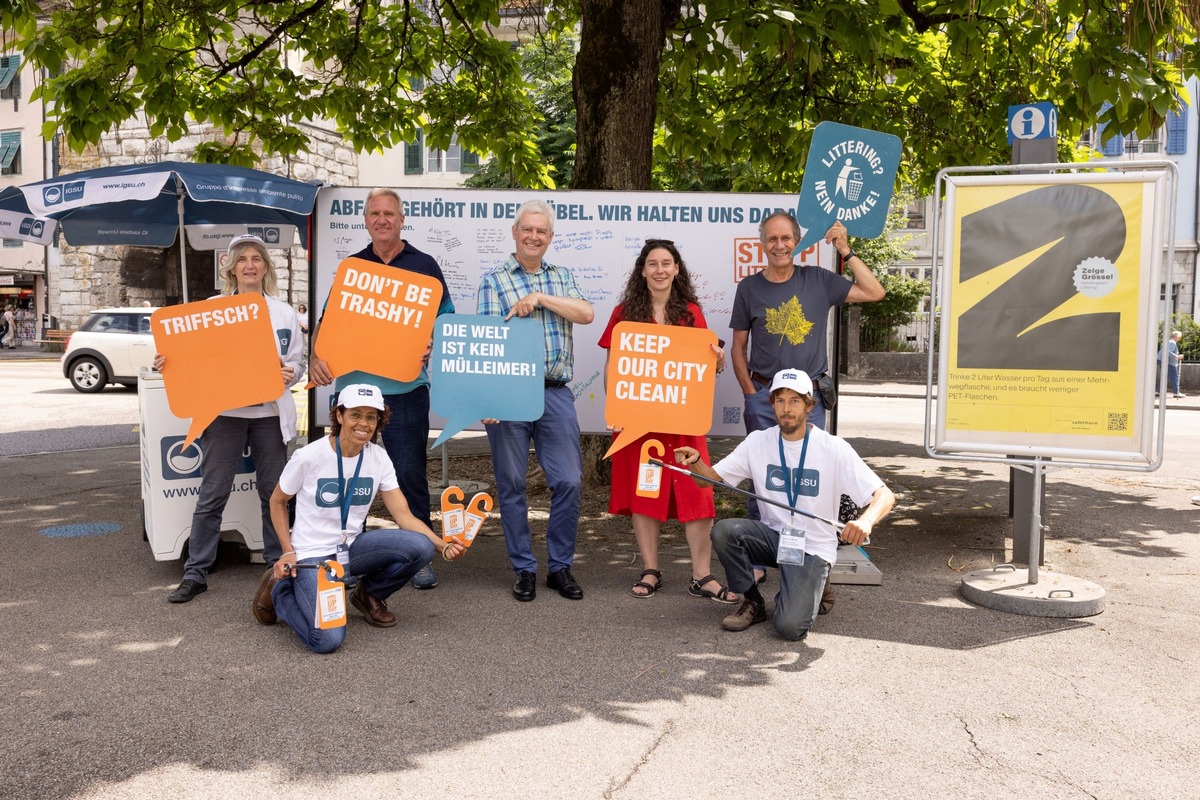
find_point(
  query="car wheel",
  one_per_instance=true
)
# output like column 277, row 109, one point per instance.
column 88, row 375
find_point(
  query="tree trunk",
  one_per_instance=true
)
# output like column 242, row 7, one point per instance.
column 616, row 90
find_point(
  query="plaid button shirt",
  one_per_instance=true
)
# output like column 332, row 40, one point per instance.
column 505, row 285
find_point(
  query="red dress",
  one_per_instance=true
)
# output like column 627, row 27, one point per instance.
column 680, row 497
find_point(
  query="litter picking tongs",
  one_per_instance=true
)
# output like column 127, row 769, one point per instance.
column 837, row 526
column 331, row 573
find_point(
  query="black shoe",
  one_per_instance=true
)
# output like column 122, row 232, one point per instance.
column 565, row 582
column 525, row 589
column 186, row 591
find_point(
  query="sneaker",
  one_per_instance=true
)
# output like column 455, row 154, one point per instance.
column 748, row 613
column 425, row 579
column 1196, row 500
column 186, row 591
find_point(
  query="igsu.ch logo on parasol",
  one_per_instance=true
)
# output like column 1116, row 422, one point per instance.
column 58, row 193
column 267, row 234
column 31, row 226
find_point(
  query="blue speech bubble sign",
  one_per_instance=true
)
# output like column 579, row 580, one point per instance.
column 482, row 367
column 850, row 176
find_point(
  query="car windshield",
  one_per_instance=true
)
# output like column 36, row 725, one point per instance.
column 111, row 323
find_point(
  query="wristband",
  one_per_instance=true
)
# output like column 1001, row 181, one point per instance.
column 288, row 553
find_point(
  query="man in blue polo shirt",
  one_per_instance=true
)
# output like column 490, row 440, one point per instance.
column 406, row 437
column 526, row 285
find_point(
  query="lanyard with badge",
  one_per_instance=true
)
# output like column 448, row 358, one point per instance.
column 347, row 497
column 791, row 538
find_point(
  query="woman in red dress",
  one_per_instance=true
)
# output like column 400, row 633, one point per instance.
column 659, row 290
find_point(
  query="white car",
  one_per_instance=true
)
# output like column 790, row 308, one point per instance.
column 110, row 347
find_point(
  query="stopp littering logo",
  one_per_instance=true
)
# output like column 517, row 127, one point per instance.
column 182, row 463
column 59, row 193
column 849, row 178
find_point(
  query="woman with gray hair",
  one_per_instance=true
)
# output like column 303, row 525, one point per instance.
column 266, row 428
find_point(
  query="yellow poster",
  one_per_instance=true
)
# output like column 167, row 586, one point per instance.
column 1048, row 343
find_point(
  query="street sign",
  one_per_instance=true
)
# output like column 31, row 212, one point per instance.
column 1032, row 121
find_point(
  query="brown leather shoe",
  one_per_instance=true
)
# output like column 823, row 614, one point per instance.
column 263, row 606
column 826, row 599
column 374, row 609
column 748, row 613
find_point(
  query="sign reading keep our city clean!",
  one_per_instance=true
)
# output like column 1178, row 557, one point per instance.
column 849, row 178
column 1048, row 316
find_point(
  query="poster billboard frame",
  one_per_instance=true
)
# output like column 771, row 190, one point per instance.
column 1141, row 449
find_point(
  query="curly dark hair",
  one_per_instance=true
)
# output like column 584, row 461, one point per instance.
column 636, row 305
column 336, row 425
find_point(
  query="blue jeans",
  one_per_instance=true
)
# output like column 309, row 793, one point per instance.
column 760, row 415
column 385, row 560
column 740, row 543
column 1173, row 377
column 555, row 438
column 223, row 443
column 406, row 439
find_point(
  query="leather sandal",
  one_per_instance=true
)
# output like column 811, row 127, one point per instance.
column 723, row 595
column 650, row 588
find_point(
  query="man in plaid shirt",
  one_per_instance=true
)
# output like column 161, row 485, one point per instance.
column 523, row 286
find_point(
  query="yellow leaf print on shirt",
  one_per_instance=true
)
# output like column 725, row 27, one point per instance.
column 788, row 320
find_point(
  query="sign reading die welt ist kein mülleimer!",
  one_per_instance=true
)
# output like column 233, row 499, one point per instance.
column 485, row 368
column 597, row 235
column 1050, row 301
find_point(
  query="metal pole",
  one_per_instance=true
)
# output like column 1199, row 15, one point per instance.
column 1035, row 522
column 182, row 240
column 445, row 464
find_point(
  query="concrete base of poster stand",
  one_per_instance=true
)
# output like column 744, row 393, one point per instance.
column 1007, row 588
column 854, row 567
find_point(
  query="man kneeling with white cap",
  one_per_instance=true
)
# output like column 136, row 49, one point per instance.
column 335, row 480
column 804, row 468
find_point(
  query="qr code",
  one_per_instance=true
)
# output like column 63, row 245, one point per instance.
column 731, row 415
column 1118, row 421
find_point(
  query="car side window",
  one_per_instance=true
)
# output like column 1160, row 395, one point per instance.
column 144, row 324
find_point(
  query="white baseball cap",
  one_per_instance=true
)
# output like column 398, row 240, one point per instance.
column 793, row 379
column 246, row 238
column 361, row 395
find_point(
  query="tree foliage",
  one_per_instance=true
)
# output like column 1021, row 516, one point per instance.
column 883, row 254
column 729, row 99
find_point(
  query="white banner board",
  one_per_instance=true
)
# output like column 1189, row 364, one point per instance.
column 597, row 235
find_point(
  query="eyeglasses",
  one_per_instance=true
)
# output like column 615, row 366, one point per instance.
column 659, row 243
column 359, row 416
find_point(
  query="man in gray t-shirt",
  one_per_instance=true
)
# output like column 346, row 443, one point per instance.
column 780, row 315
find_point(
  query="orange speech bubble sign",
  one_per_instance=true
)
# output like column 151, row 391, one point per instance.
column 660, row 378
column 220, row 354
column 379, row 319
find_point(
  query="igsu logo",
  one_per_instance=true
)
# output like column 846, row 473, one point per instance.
column 808, row 483
column 269, row 235
column 329, row 492
column 31, row 226
column 59, row 193
column 183, row 463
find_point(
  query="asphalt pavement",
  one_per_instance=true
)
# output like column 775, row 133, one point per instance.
column 905, row 690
